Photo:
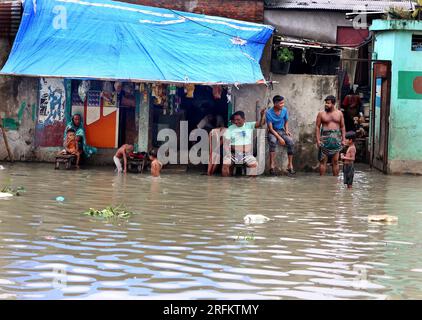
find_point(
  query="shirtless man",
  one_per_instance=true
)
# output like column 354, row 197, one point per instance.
column 123, row 151
column 331, row 135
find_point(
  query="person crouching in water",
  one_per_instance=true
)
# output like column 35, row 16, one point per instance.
column 349, row 159
column 156, row 165
column 122, row 152
column 71, row 146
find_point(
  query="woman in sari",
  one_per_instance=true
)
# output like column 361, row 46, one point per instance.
column 76, row 123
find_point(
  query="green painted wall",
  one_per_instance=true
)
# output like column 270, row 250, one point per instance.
column 393, row 42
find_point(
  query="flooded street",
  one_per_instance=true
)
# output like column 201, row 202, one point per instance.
column 188, row 239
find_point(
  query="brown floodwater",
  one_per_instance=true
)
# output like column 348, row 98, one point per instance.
column 189, row 240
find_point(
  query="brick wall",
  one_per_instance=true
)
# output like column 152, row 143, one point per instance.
column 247, row 10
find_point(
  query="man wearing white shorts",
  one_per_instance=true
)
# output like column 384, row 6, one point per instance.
column 238, row 144
column 122, row 153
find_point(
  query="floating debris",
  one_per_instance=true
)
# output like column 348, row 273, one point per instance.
column 110, row 212
column 246, row 236
column 4, row 195
column 382, row 218
column 60, row 199
column 2, row 168
column 13, row 191
column 255, row 219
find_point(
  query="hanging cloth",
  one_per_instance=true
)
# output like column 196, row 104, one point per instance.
column 217, row 92
column 189, row 90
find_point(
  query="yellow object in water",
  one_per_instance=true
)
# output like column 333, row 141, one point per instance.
column 382, row 218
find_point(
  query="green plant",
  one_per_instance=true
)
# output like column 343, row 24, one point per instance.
column 418, row 10
column 110, row 212
column 15, row 191
column 285, row 55
column 400, row 13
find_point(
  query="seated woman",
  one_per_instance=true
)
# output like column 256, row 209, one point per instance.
column 77, row 125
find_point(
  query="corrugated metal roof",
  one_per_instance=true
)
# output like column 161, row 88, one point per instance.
column 10, row 18
column 339, row 5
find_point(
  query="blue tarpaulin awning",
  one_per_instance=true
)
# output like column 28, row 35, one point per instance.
column 110, row 40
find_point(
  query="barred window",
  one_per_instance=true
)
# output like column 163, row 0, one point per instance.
column 417, row 42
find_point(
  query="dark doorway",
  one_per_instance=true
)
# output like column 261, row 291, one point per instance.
column 127, row 126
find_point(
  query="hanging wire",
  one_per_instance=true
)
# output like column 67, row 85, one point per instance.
column 215, row 30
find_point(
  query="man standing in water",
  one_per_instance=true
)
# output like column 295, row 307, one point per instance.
column 331, row 135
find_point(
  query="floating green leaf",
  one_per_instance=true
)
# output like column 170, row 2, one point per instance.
column 110, row 212
column 15, row 191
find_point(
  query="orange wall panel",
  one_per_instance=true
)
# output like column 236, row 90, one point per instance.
column 103, row 133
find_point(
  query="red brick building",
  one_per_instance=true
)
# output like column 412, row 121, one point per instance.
column 246, row 10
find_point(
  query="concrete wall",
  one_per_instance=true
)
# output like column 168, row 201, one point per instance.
column 18, row 101
column 247, row 10
column 393, row 42
column 303, row 93
column 320, row 25
column 304, row 96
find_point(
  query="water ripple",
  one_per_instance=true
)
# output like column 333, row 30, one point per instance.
column 188, row 239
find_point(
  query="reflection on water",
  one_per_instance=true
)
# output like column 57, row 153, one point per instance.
column 189, row 240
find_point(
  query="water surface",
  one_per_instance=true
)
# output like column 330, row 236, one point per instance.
column 189, row 240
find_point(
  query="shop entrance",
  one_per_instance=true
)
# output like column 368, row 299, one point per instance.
column 366, row 107
column 202, row 106
column 355, row 100
column 108, row 111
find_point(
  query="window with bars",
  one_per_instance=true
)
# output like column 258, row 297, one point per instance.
column 417, row 42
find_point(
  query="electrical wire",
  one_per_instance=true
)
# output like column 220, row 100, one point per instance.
column 215, row 30
column 328, row 54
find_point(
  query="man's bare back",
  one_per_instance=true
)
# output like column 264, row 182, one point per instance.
column 124, row 150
